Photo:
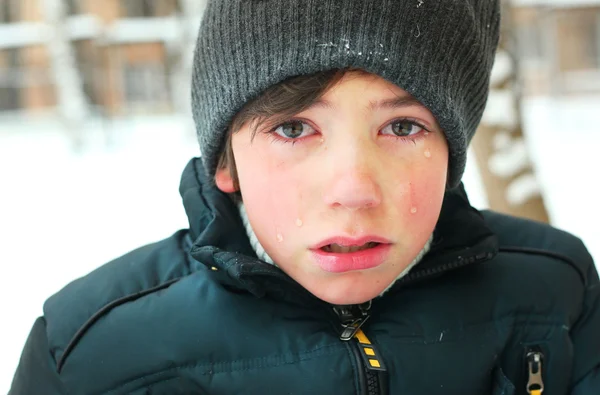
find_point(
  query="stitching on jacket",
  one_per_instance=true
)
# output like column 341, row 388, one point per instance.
column 227, row 266
column 199, row 184
column 517, row 320
column 152, row 386
column 501, row 382
column 329, row 349
column 116, row 303
column 182, row 245
column 590, row 375
column 109, row 306
column 262, row 363
column 548, row 253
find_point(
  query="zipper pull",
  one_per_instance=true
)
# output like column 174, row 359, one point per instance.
column 369, row 353
column 352, row 318
column 535, row 385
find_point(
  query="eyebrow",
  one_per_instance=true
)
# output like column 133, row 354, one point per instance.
column 395, row 103
column 387, row 104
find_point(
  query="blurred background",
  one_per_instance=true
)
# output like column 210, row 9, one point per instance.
column 95, row 129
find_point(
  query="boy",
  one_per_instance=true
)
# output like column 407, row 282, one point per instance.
column 331, row 247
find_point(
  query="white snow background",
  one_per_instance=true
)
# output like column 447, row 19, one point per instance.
column 62, row 214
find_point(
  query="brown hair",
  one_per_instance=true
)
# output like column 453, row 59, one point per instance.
column 276, row 105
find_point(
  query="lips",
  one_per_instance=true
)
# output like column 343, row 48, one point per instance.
column 342, row 254
column 340, row 249
column 350, row 242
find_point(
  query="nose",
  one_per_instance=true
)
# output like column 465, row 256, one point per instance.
column 353, row 182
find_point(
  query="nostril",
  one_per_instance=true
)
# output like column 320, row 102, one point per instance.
column 353, row 195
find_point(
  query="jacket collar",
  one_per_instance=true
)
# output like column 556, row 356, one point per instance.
column 219, row 240
column 213, row 218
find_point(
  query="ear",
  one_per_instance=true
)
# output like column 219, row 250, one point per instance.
column 224, row 181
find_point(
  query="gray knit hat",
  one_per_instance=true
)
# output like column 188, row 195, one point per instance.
column 440, row 51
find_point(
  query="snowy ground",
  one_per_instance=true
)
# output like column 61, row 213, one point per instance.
column 62, row 214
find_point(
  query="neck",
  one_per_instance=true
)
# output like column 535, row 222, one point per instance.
column 258, row 248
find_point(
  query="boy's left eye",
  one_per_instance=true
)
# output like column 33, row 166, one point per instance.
column 402, row 128
column 294, row 130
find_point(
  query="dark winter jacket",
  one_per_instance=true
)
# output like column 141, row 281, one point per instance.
column 498, row 302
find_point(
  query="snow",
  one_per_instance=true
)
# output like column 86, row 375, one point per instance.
column 72, row 103
column 511, row 157
column 522, row 189
column 83, row 26
column 16, row 35
column 503, row 68
column 124, row 30
column 474, row 184
column 582, row 80
column 500, row 110
column 511, row 160
column 136, row 30
column 23, row 34
column 65, row 213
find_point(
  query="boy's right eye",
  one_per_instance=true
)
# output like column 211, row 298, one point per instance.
column 294, row 129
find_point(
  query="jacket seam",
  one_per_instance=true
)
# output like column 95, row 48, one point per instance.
column 153, row 385
column 594, row 370
column 516, row 323
column 547, row 253
column 199, row 184
column 186, row 253
column 100, row 313
column 301, row 357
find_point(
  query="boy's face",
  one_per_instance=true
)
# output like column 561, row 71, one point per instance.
column 362, row 169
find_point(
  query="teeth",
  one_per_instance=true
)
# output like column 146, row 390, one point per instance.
column 338, row 249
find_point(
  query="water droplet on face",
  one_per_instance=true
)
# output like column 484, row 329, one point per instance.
column 427, row 153
column 299, row 222
column 279, row 237
column 413, row 210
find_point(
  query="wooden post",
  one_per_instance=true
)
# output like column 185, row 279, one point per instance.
column 72, row 104
column 499, row 144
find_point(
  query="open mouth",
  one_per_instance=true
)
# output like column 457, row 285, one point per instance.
column 339, row 249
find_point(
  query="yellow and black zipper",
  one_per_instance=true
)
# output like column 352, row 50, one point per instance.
column 371, row 368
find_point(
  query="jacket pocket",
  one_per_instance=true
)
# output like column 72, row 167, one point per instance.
column 501, row 385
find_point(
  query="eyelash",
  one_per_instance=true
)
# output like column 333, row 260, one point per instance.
column 409, row 139
column 413, row 139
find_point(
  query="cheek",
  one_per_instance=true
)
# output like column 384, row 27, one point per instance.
column 419, row 192
column 272, row 198
column 428, row 186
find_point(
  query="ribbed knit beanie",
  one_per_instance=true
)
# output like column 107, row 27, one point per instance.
column 439, row 51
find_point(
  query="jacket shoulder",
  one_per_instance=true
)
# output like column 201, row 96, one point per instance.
column 520, row 235
column 140, row 271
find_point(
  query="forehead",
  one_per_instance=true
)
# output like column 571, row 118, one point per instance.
column 376, row 93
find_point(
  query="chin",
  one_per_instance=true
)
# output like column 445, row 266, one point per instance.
column 344, row 296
